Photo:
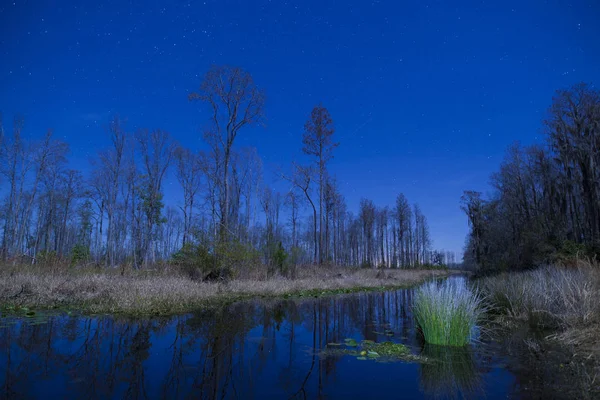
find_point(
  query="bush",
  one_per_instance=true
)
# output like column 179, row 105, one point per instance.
column 238, row 259
column 47, row 258
column 79, row 254
column 447, row 312
column 279, row 258
column 441, row 267
column 195, row 260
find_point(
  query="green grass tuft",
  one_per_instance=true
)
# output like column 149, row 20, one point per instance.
column 447, row 312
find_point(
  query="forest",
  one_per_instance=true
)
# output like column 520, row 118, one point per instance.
column 545, row 204
column 228, row 218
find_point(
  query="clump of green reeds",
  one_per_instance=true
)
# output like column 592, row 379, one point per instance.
column 448, row 312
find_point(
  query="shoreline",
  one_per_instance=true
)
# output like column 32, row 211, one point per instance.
column 143, row 294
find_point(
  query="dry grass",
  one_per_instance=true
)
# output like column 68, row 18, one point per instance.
column 554, row 297
column 564, row 299
column 151, row 293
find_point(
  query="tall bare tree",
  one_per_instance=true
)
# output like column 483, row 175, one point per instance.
column 234, row 101
column 189, row 175
column 301, row 179
column 318, row 142
column 367, row 220
column 15, row 167
column 156, row 150
column 403, row 216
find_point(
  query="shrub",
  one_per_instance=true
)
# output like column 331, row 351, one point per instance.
column 236, row 258
column 447, row 312
column 47, row 258
column 440, row 267
column 279, row 258
column 79, row 254
column 195, row 260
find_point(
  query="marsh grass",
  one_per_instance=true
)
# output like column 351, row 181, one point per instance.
column 549, row 297
column 161, row 293
column 447, row 313
column 563, row 302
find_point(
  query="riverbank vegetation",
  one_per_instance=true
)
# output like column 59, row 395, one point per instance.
column 559, row 300
column 161, row 292
column 535, row 240
column 545, row 206
column 550, row 317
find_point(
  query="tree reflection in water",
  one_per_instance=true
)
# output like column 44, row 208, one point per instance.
column 256, row 349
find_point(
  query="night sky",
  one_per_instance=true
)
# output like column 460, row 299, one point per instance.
column 425, row 96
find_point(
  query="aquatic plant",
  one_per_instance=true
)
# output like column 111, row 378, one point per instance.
column 447, row 313
column 368, row 349
column 388, row 349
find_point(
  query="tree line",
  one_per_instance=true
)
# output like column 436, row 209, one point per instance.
column 117, row 214
column 545, row 206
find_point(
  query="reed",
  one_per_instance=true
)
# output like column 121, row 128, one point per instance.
column 448, row 312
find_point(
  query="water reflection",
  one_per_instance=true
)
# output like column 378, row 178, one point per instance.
column 451, row 372
column 246, row 350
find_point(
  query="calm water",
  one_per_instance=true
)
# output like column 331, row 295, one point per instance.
column 247, row 350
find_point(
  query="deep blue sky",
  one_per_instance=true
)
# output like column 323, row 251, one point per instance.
column 425, row 95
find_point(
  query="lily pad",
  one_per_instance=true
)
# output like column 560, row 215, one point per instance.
column 389, row 349
column 361, row 358
column 334, row 344
column 379, row 352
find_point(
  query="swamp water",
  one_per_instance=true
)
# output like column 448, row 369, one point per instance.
column 301, row 348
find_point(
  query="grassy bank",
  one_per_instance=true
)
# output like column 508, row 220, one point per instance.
column 160, row 293
column 555, row 298
column 561, row 306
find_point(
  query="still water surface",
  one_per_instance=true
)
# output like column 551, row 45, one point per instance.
column 257, row 349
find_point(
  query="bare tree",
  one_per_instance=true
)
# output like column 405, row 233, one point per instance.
column 292, row 201
column 108, row 175
column 15, row 167
column 318, row 142
column 189, row 176
column 47, row 154
column 301, row 179
column 367, row 219
column 382, row 225
column 235, row 101
column 403, row 217
column 156, row 149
